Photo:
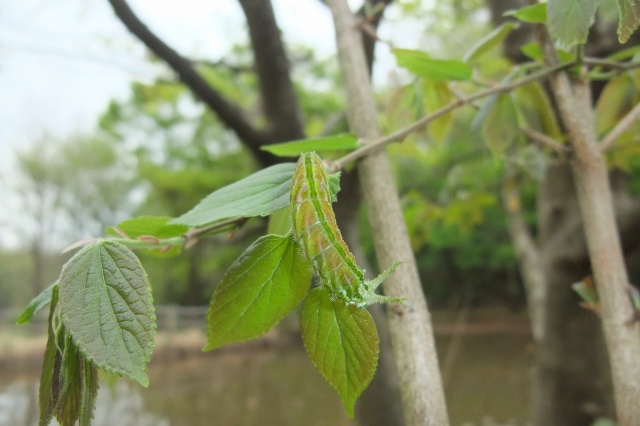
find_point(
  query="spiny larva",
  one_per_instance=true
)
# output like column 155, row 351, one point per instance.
column 316, row 232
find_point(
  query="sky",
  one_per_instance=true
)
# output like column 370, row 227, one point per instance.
column 61, row 62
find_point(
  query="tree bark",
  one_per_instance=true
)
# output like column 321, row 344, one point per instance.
column 410, row 324
column 621, row 329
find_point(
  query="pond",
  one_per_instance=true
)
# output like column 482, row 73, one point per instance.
column 486, row 374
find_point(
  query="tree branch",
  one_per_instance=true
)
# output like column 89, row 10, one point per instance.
column 230, row 114
column 622, row 126
column 402, row 133
column 279, row 100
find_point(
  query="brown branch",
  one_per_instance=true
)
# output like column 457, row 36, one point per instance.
column 230, row 114
column 622, row 126
column 418, row 124
column 545, row 140
column 279, row 100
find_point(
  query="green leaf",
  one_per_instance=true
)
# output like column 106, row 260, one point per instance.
column 266, row 283
column 488, row 42
column 536, row 111
column 156, row 226
column 532, row 50
column 616, row 99
column 68, row 382
column 279, row 222
column 334, row 186
column 437, row 95
column 295, row 148
column 342, row 343
column 107, row 307
column 259, row 194
column 36, row 304
column 421, row 64
column 500, row 129
column 569, row 20
column 49, row 388
column 629, row 19
column 534, row 14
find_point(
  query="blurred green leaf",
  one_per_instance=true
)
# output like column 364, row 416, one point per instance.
column 36, row 304
column 569, row 20
column 107, row 308
column 342, row 343
column 488, row 42
column 156, row 226
column 534, row 14
column 421, row 64
column 259, row 194
column 532, row 50
column 437, row 95
column 500, row 129
column 629, row 19
column 536, row 110
column 266, row 283
column 294, row 148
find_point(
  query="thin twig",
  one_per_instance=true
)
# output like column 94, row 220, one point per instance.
column 620, row 66
column 545, row 140
column 416, row 125
column 619, row 129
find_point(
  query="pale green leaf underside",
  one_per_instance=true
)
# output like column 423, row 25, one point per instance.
column 259, row 194
column 569, row 20
column 266, row 283
column 342, row 343
column 295, row 148
column 107, row 307
column 500, row 128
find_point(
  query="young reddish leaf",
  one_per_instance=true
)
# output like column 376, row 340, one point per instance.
column 421, row 64
column 266, row 283
column 106, row 306
column 342, row 342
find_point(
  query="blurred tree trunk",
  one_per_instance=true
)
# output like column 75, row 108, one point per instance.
column 571, row 378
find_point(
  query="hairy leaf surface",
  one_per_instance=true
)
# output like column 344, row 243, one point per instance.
column 342, row 343
column 107, row 307
column 266, row 283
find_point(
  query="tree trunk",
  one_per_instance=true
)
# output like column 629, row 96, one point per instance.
column 571, row 382
column 410, row 325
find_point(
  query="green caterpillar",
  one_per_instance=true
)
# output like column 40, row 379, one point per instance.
column 316, row 232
